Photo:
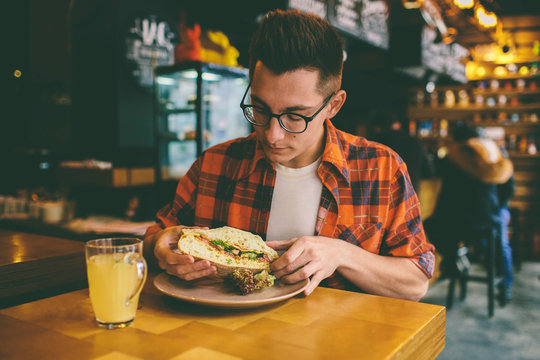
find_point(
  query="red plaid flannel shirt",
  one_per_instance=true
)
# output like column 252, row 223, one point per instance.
column 367, row 197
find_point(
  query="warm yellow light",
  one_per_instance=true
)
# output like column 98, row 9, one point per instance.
column 464, row 4
column 524, row 71
column 412, row 4
column 500, row 71
column 481, row 71
column 17, row 73
column 485, row 18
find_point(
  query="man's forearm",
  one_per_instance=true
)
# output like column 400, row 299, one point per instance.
column 383, row 275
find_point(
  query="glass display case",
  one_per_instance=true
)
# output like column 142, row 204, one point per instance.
column 197, row 106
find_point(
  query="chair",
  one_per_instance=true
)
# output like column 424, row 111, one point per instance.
column 493, row 278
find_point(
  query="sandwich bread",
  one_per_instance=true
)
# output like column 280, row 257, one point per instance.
column 228, row 248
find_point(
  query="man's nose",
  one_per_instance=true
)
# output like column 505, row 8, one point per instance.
column 274, row 132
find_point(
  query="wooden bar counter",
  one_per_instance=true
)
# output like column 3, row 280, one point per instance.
column 35, row 266
column 328, row 324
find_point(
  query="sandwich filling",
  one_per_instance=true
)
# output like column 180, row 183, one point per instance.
column 235, row 253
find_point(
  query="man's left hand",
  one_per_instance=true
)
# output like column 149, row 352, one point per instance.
column 314, row 256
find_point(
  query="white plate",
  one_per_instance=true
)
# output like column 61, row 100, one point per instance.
column 219, row 294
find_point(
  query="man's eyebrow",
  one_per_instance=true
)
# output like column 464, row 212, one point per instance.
column 257, row 100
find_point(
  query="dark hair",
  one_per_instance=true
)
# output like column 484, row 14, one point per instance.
column 291, row 40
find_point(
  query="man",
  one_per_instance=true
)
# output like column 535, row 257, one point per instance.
column 343, row 208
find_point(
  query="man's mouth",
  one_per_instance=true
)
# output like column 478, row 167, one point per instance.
column 275, row 148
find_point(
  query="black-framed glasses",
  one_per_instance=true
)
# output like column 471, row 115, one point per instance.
column 289, row 121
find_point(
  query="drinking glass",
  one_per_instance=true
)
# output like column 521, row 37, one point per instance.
column 116, row 274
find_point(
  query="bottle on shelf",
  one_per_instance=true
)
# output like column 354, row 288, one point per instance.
column 412, row 127
column 443, row 128
column 523, row 144
column 512, row 142
column 531, row 146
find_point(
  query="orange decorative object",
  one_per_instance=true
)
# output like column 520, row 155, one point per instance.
column 190, row 47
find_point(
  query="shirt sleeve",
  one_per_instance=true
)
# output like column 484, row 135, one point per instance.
column 405, row 235
column 180, row 211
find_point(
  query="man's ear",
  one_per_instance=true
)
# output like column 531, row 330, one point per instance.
column 336, row 103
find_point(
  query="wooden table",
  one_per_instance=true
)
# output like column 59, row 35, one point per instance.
column 328, row 324
column 33, row 266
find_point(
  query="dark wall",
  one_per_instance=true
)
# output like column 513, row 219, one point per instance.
column 113, row 114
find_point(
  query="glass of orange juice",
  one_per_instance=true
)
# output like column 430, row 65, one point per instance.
column 116, row 274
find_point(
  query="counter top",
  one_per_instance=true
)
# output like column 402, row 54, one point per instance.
column 33, row 266
column 332, row 324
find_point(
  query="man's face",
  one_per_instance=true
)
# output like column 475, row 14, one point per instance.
column 296, row 92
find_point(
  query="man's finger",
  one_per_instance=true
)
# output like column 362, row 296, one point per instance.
column 289, row 257
column 174, row 258
column 301, row 273
column 314, row 282
column 280, row 244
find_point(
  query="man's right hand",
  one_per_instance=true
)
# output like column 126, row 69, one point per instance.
column 175, row 263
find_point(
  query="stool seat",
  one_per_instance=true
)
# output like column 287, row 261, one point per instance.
column 460, row 267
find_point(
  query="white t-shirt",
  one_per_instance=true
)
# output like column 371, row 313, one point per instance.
column 295, row 202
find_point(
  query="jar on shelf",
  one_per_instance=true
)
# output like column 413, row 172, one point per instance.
column 502, row 100
column 481, row 86
column 520, row 84
column 434, row 99
column 494, row 85
column 533, row 118
column 502, row 117
column 463, row 96
column 533, row 86
column 420, row 98
column 479, row 100
column 514, row 101
column 490, row 101
column 508, row 86
column 514, row 117
column 449, row 98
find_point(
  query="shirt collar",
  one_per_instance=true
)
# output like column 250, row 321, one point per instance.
column 334, row 154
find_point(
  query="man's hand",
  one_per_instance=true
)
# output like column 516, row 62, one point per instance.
column 174, row 263
column 314, row 256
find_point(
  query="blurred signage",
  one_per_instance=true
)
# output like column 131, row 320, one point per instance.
column 366, row 20
column 149, row 43
column 443, row 58
column 317, row 7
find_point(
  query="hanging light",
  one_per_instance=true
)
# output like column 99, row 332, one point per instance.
column 464, row 4
column 412, row 4
column 485, row 18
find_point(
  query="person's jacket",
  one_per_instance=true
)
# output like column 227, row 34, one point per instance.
column 477, row 182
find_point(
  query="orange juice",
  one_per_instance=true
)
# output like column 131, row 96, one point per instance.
column 112, row 278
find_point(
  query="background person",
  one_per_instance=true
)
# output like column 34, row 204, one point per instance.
column 343, row 207
column 477, row 184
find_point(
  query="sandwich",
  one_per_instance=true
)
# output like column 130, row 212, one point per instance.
column 229, row 249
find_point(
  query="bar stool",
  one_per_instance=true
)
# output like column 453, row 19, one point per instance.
column 493, row 278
